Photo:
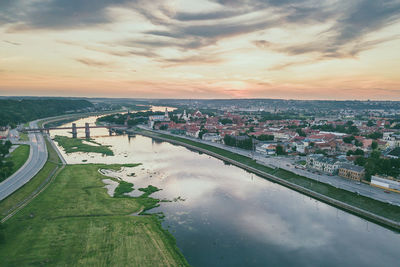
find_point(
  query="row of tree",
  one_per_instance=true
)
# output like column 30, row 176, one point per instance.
column 5, row 166
column 244, row 142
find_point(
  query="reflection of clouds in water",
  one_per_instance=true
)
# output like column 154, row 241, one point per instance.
column 271, row 228
column 193, row 190
column 110, row 186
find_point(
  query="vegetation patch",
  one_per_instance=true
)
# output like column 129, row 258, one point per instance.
column 149, row 190
column 29, row 188
column 72, row 145
column 123, row 188
column 74, row 222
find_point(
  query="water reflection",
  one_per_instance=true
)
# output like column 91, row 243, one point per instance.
column 224, row 216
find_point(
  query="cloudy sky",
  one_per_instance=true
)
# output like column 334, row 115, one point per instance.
column 299, row 49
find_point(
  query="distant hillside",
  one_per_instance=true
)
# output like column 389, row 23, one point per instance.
column 13, row 112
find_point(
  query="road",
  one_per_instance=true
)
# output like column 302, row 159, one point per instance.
column 37, row 158
column 289, row 163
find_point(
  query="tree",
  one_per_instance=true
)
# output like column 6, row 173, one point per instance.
column 164, row 127
column 358, row 143
column 370, row 123
column 300, row 132
column 375, row 135
column 202, row 132
column 374, row 145
column 375, row 154
column 279, row 150
column 225, row 121
column 360, row 161
column 348, row 139
column 357, row 152
column 265, row 137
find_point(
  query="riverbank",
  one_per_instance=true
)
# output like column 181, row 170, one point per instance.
column 72, row 145
column 379, row 212
column 85, row 226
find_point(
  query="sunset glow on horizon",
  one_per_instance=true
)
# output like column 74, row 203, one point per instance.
column 201, row 49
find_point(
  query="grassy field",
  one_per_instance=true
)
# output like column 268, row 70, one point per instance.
column 33, row 184
column 377, row 207
column 72, row 145
column 74, row 222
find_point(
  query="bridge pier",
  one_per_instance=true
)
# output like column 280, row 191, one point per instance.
column 110, row 131
column 74, row 131
column 87, row 130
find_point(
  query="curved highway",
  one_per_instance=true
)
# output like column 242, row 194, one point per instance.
column 37, row 158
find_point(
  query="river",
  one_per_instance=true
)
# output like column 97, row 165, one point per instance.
column 222, row 215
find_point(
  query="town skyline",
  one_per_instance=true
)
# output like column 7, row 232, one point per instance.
column 331, row 50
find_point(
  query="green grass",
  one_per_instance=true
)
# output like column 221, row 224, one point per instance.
column 122, row 188
column 72, row 145
column 19, row 156
column 377, row 207
column 74, row 222
column 23, row 137
column 25, row 191
column 149, row 190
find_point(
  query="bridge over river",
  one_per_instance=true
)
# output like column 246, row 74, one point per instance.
column 74, row 129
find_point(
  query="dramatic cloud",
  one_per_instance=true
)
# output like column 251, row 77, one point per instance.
column 212, row 43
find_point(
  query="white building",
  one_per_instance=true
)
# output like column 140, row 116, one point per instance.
column 213, row 137
column 383, row 182
column 266, row 149
column 158, row 118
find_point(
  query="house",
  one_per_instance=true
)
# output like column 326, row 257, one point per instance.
column 266, row 149
column 193, row 131
column 301, row 146
column 351, row 171
column 198, row 115
column 321, row 163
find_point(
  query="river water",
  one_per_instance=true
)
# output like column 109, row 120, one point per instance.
column 222, row 215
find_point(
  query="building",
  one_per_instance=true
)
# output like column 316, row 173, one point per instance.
column 158, row 118
column 321, row 163
column 212, row 137
column 351, row 171
column 385, row 182
column 193, row 131
column 266, row 149
column 3, row 132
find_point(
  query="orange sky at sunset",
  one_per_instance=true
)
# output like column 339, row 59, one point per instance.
column 201, row 49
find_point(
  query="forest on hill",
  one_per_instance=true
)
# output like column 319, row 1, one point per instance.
column 13, row 112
